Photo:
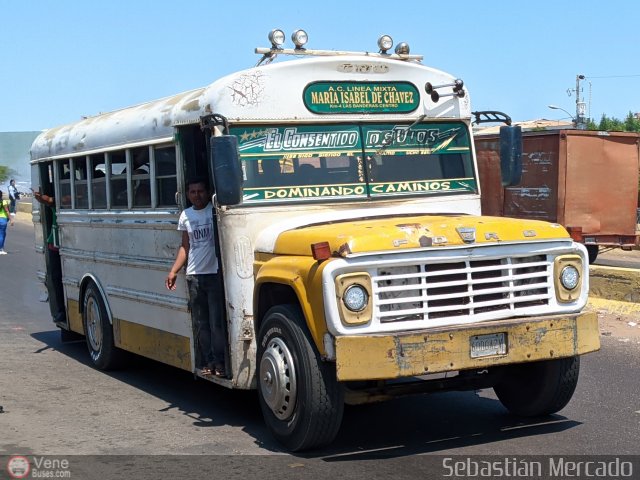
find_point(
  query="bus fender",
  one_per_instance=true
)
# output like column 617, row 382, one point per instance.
column 84, row 283
column 303, row 276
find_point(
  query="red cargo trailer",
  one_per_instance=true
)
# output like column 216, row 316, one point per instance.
column 584, row 180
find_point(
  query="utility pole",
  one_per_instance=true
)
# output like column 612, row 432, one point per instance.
column 581, row 107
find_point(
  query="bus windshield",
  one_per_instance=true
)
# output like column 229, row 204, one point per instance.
column 334, row 162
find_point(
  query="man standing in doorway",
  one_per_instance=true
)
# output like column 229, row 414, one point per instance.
column 53, row 279
column 198, row 251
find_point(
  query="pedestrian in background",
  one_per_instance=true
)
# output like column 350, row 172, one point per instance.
column 5, row 218
column 14, row 196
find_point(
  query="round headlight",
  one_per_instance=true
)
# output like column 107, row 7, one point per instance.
column 355, row 298
column 276, row 37
column 569, row 277
column 299, row 38
column 385, row 42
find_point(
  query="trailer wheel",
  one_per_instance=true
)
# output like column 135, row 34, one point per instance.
column 539, row 388
column 592, row 250
column 300, row 398
column 98, row 333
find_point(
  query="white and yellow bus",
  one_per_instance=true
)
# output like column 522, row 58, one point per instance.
column 356, row 264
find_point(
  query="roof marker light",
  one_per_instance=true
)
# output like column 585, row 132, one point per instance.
column 276, row 37
column 385, row 42
column 299, row 38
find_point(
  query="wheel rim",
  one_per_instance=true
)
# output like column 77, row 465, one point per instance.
column 278, row 379
column 94, row 324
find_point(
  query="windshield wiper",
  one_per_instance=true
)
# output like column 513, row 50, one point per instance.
column 391, row 139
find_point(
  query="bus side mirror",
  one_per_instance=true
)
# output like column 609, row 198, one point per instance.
column 510, row 155
column 226, row 169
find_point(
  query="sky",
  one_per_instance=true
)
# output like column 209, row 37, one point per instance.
column 64, row 59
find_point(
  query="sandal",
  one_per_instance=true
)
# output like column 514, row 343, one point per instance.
column 219, row 371
column 206, row 371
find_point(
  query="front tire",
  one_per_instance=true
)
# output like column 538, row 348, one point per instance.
column 98, row 332
column 300, row 398
column 539, row 388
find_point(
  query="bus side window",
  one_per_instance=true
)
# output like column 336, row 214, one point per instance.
column 141, row 177
column 118, row 179
column 98, row 180
column 80, row 179
column 166, row 183
column 64, row 173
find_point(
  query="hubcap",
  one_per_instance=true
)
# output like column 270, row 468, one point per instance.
column 94, row 325
column 278, row 379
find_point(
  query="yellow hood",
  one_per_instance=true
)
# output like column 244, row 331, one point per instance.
column 399, row 233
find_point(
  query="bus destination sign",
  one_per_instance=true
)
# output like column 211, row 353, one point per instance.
column 361, row 97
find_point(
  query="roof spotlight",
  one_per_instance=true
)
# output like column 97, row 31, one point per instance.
column 299, row 38
column 402, row 48
column 385, row 42
column 276, row 37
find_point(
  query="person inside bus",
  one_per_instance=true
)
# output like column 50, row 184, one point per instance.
column 307, row 174
column 197, row 250
column 271, row 173
column 54, row 271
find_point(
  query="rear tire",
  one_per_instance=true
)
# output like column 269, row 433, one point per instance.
column 300, row 398
column 592, row 250
column 98, row 332
column 539, row 388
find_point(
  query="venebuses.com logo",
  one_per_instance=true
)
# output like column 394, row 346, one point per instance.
column 18, row 466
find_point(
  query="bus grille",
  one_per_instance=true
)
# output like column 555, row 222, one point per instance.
column 465, row 288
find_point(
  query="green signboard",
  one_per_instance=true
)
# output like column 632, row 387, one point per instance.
column 358, row 190
column 282, row 140
column 361, row 97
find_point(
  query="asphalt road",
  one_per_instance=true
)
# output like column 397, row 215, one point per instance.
column 55, row 403
column 616, row 257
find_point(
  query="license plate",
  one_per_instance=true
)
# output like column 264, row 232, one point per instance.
column 487, row 345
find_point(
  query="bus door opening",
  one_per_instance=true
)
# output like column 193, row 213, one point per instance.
column 48, row 219
column 195, row 154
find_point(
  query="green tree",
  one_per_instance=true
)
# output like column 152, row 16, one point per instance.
column 5, row 172
column 611, row 124
column 632, row 123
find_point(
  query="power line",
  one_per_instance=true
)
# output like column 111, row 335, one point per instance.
column 614, row 76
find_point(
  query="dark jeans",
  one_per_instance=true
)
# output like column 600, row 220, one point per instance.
column 54, row 286
column 205, row 301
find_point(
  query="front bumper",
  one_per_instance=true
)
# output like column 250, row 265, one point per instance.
column 388, row 356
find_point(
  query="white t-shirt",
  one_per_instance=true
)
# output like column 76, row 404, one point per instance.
column 202, row 246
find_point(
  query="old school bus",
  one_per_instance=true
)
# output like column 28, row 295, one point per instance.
column 356, row 265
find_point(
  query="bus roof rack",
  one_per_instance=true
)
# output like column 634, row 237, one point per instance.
column 300, row 38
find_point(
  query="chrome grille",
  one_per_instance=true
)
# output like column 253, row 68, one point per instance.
column 464, row 288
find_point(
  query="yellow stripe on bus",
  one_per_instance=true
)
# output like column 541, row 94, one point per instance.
column 152, row 343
